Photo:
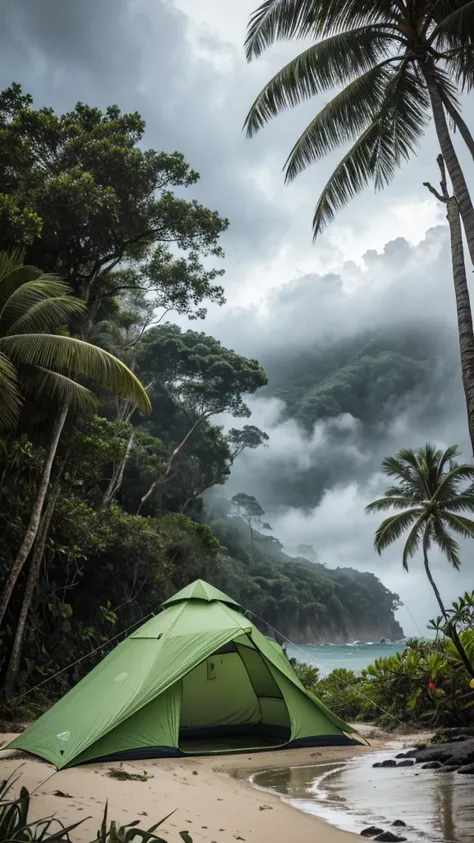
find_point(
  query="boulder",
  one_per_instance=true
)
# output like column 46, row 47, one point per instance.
column 389, row 837
column 399, row 824
column 467, row 770
column 371, row 831
column 409, row 762
column 390, row 762
column 432, row 765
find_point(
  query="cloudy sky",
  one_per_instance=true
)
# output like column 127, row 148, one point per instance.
column 180, row 63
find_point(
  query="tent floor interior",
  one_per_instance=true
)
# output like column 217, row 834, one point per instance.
column 231, row 743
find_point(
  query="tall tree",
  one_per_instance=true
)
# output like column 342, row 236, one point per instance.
column 399, row 63
column 81, row 192
column 430, row 496
column 42, row 365
column 200, row 376
column 248, row 507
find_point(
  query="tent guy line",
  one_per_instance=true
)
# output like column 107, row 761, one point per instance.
column 297, row 647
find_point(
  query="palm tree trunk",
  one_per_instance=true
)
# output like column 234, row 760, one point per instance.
column 434, row 586
column 451, row 631
column 463, row 307
column 35, row 516
column 30, row 588
column 459, row 123
column 452, row 162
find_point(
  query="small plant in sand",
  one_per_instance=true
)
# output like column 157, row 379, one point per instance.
column 123, row 776
column 15, row 826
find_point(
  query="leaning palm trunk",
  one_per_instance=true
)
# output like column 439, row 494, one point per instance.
column 461, row 290
column 30, row 588
column 456, row 174
column 453, row 634
column 35, row 517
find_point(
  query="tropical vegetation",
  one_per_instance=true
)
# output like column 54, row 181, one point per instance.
column 102, row 506
column 425, row 684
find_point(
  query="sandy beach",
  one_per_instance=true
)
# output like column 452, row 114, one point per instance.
column 210, row 796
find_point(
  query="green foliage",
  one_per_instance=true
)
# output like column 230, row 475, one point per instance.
column 307, row 674
column 83, row 194
column 424, row 685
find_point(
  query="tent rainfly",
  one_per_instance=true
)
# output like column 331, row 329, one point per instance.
column 199, row 678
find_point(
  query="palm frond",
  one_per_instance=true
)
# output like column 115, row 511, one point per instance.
column 27, row 295
column 322, row 66
column 68, row 355
column 10, row 399
column 457, row 26
column 413, row 541
column 391, row 502
column 60, row 389
column 15, row 278
column 393, row 527
column 462, row 502
column 446, row 543
column 380, row 150
column 278, row 20
column 352, row 174
column 283, row 20
column 47, row 315
column 345, row 116
column 459, row 523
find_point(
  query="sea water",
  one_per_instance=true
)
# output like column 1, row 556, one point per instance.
column 356, row 656
column 436, row 807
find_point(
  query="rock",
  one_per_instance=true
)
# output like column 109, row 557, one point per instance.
column 389, row 837
column 401, row 755
column 432, row 765
column 399, row 823
column 390, row 762
column 408, row 763
column 467, row 770
column 372, row 831
column 377, row 764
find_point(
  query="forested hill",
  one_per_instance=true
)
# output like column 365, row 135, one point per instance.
column 304, row 600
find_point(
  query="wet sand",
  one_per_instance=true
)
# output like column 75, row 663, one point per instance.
column 437, row 807
column 211, row 796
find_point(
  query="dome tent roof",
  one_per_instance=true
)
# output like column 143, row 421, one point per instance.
column 201, row 590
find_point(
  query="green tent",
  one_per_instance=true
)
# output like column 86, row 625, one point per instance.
column 196, row 679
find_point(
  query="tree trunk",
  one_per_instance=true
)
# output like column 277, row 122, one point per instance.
column 30, row 588
column 463, row 307
column 170, row 463
column 452, row 162
column 434, row 586
column 451, row 630
column 117, row 475
column 35, row 517
column 251, row 541
column 459, row 123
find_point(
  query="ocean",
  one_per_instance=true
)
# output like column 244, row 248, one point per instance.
column 356, row 656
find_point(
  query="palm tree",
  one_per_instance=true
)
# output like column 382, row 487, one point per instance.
column 37, row 363
column 430, row 496
column 400, row 62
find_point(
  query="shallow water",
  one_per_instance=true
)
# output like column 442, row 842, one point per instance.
column 356, row 656
column 437, row 807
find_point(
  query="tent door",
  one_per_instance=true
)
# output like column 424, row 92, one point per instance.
column 231, row 702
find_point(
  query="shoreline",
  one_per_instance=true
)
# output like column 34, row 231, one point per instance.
column 211, row 797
